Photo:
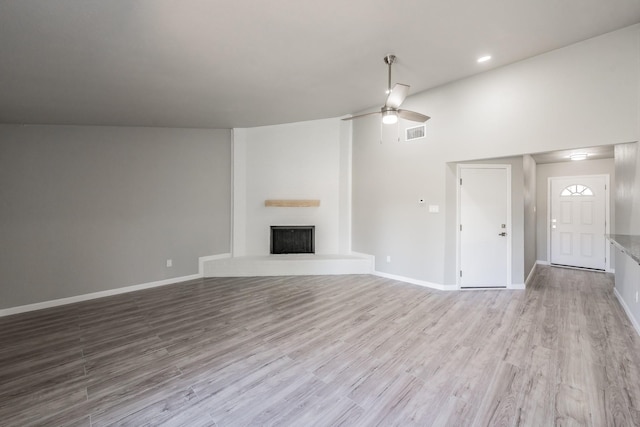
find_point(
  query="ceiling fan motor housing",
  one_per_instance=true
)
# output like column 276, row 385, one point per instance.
column 390, row 111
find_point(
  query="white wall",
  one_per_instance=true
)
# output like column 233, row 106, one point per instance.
column 306, row 160
column 582, row 95
column 549, row 170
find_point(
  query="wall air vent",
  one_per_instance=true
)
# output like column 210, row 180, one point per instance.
column 416, row 132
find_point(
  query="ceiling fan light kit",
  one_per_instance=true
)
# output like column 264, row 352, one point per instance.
column 390, row 111
column 389, row 117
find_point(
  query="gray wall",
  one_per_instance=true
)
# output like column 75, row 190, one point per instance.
column 627, row 189
column 87, row 209
column 530, row 200
column 549, row 170
column 582, row 95
column 627, row 201
column 388, row 179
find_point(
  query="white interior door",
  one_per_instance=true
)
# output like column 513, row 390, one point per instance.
column 578, row 221
column 484, row 229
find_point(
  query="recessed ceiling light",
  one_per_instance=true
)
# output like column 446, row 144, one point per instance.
column 484, row 58
column 579, row 156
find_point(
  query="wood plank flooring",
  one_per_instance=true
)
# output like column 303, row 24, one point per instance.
column 327, row 351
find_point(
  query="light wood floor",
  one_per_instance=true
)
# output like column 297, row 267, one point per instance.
column 333, row 350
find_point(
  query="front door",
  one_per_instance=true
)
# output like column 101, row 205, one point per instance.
column 484, row 230
column 578, row 221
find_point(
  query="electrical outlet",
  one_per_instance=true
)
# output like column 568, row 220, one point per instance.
column 388, row 258
column 169, row 263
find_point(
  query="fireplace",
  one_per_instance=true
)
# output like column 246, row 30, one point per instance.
column 293, row 239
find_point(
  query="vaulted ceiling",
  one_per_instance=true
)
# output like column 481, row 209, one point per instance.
column 243, row 63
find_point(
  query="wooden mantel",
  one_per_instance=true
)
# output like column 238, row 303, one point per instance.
column 297, row 203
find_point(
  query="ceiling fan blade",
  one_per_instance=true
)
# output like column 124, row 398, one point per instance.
column 397, row 95
column 361, row 115
column 413, row 116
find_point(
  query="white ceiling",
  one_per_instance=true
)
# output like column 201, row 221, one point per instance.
column 593, row 153
column 243, row 63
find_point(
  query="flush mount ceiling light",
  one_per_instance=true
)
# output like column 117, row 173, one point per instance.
column 484, row 58
column 391, row 108
column 579, row 156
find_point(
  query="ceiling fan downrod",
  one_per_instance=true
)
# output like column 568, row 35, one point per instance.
column 389, row 60
column 391, row 110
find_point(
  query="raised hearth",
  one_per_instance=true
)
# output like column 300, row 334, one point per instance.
column 289, row 265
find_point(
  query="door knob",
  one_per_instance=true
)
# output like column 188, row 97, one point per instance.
column 502, row 234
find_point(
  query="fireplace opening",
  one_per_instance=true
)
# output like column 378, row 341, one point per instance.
column 292, row 239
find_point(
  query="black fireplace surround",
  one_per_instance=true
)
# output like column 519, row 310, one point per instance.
column 292, row 239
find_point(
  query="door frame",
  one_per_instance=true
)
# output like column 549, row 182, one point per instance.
column 459, row 169
column 607, row 214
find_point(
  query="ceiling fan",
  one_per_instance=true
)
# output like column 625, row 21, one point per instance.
column 391, row 110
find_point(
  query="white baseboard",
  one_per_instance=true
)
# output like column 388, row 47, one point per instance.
column 417, row 282
column 432, row 285
column 517, row 286
column 532, row 273
column 624, row 305
column 541, row 262
column 109, row 292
